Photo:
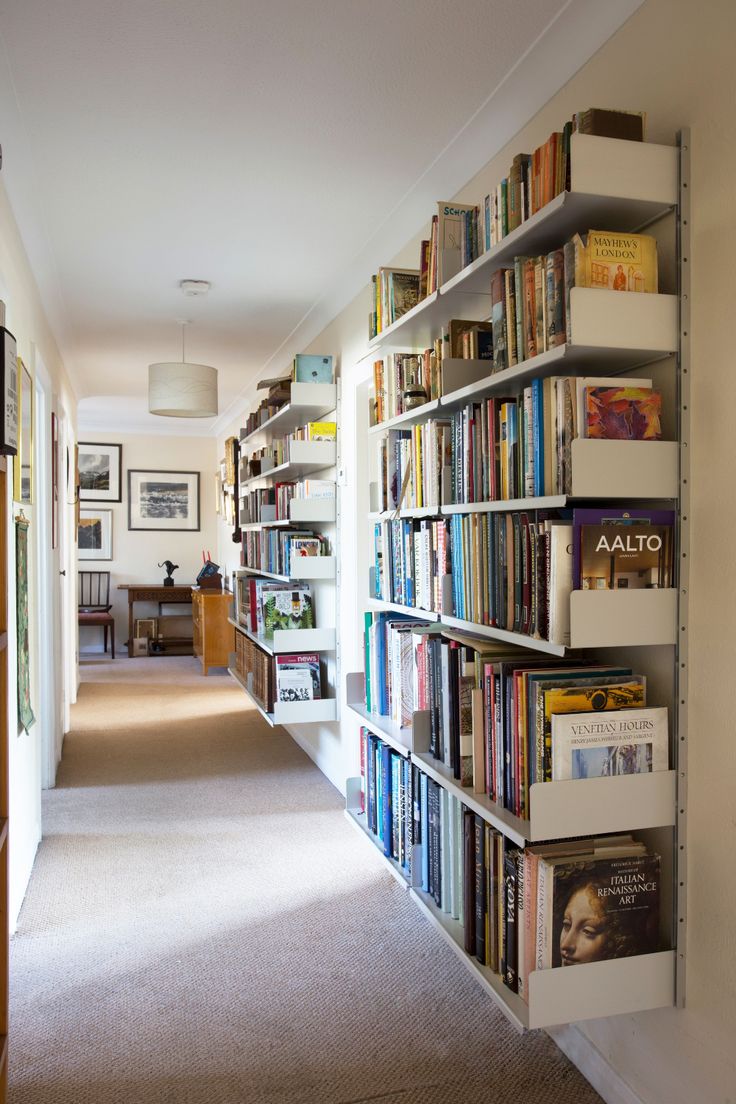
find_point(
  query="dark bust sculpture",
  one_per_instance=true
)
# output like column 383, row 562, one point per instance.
column 170, row 569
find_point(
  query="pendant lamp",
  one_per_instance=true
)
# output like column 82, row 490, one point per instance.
column 178, row 389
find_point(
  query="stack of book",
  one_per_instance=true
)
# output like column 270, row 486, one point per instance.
column 391, row 685
column 411, row 562
column 387, row 798
column 461, row 232
column 502, row 718
column 560, row 904
column 273, row 550
column 264, row 607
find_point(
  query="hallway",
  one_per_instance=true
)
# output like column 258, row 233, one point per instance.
column 203, row 926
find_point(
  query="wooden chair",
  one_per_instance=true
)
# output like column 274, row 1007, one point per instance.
column 95, row 605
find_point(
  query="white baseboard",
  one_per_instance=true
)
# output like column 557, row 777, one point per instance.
column 593, row 1066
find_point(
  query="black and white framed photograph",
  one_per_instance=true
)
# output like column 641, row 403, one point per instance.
column 163, row 500
column 94, row 536
column 100, row 472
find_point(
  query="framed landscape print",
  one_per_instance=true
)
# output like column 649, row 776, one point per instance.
column 163, row 500
column 100, row 472
column 9, row 420
column 23, row 463
column 94, row 538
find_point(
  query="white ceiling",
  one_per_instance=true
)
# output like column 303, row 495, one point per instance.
column 279, row 150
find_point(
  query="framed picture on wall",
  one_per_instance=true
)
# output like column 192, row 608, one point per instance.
column 9, row 419
column 94, row 538
column 163, row 500
column 100, row 472
column 23, row 463
column 54, row 481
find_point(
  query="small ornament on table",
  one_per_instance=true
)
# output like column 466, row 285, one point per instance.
column 170, row 569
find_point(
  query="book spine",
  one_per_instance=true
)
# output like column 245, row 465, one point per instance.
column 480, row 896
column 469, row 881
column 510, row 971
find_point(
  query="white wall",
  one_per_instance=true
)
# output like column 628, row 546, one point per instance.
column 27, row 321
column 673, row 59
column 136, row 554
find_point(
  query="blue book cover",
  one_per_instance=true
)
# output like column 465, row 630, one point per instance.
column 309, row 368
column 538, row 436
column 424, row 830
column 385, row 807
column 396, row 801
column 408, row 812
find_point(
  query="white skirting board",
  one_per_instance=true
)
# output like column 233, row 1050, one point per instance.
column 594, row 1067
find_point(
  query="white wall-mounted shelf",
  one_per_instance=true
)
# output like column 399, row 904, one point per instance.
column 621, row 618
column 284, row 713
column 303, row 567
column 309, row 402
column 305, row 457
column 290, row 640
column 359, row 821
column 312, row 510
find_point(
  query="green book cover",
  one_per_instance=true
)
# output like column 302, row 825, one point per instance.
column 287, row 609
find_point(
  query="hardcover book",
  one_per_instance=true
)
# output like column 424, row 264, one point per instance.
column 604, row 908
column 615, row 549
column 622, row 413
column 625, row 741
column 310, row 368
column 287, row 608
column 298, row 677
column 618, row 262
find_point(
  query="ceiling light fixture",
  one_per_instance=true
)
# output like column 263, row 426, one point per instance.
column 178, row 389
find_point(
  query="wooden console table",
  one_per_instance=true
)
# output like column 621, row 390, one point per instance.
column 152, row 592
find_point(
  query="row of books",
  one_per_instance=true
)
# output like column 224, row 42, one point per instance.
column 306, row 368
column 462, row 232
column 540, row 907
column 530, row 314
column 503, row 448
column 274, row 550
column 521, row 909
column 516, row 570
column 279, row 495
column 386, row 795
column 264, row 606
column 278, row 450
column 502, row 720
column 280, row 678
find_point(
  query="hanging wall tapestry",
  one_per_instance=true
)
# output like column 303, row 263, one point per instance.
column 25, row 713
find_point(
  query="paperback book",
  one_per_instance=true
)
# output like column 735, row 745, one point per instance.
column 626, row 741
column 298, row 678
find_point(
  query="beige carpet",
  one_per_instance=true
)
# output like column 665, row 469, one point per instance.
column 203, row 926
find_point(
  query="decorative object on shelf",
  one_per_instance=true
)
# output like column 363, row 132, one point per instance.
column 415, row 394
column 94, row 537
column 209, row 577
column 25, row 712
column 9, row 364
column 163, row 500
column 145, row 628
column 180, row 389
column 100, row 472
column 23, row 463
column 170, row 569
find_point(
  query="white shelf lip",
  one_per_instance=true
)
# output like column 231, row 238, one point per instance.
column 390, row 732
column 309, row 712
column 622, row 618
column 521, row 639
column 386, row 336
column 409, row 418
column 290, row 640
column 563, row 995
column 309, row 567
column 408, row 512
column 295, row 468
column 360, row 823
column 394, row 607
column 545, row 502
column 561, row 810
column 305, row 406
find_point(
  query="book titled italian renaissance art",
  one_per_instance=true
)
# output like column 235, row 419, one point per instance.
column 604, row 745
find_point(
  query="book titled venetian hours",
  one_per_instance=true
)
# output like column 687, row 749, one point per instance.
column 595, row 745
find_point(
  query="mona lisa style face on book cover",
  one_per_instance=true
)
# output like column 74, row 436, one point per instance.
column 605, row 909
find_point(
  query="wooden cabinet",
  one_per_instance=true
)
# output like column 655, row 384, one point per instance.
column 214, row 637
